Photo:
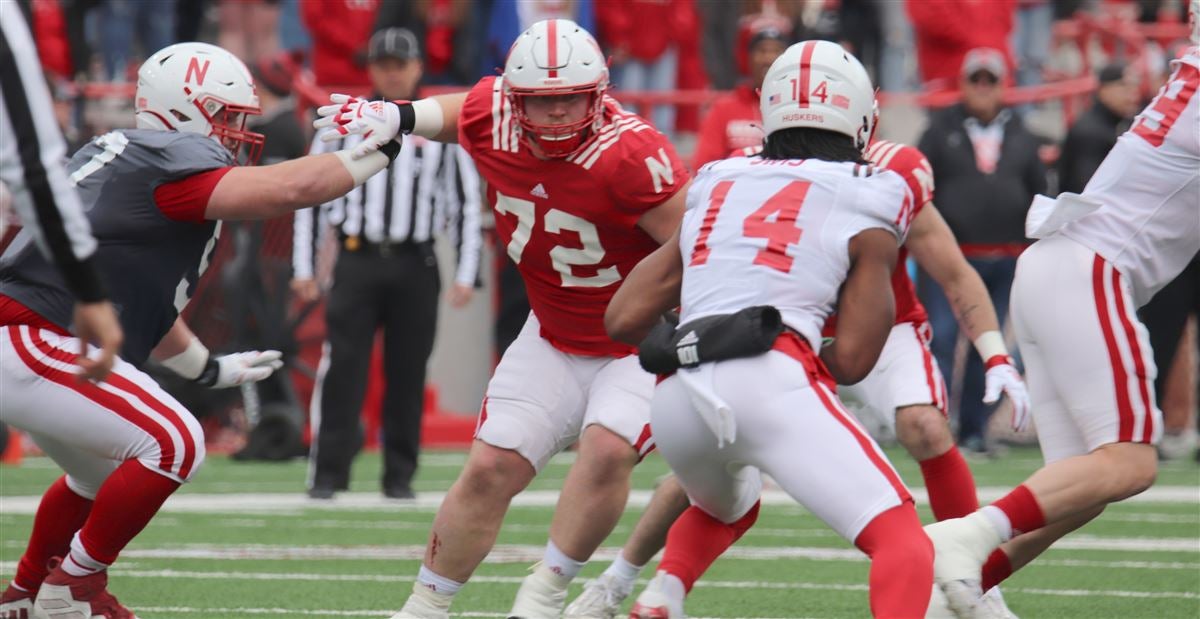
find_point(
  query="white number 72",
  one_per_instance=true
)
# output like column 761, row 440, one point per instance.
column 563, row 258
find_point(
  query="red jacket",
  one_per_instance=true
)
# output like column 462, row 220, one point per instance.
column 50, row 31
column 340, row 30
column 945, row 30
column 644, row 28
column 734, row 121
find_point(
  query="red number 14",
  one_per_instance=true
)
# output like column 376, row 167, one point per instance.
column 780, row 232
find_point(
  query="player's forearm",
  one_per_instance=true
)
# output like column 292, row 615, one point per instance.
column 970, row 302
column 652, row 288
column 176, row 341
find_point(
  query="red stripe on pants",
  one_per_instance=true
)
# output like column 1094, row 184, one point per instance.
column 1120, row 378
column 109, row 401
column 864, row 442
column 1139, row 365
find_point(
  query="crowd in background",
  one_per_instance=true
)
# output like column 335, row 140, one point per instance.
column 987, row 160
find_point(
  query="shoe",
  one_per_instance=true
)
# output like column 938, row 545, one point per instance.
column 1176, row 446
column 87, row 597
column 960, row 548
column 992, row 606
column 17, row 604
column 323, row 493
column 656, row 602
column 399, row 492
column 541, row 596
column 601, row 599
column 425, row 603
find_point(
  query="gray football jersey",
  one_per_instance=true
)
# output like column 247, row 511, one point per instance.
column 149, row 263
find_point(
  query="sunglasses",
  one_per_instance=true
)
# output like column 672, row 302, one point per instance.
column 983, row 78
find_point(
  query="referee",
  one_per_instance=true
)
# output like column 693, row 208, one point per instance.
column 32, row 153
column 386, row 276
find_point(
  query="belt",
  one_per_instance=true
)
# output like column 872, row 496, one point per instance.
column 356, row 244
column 795, row 346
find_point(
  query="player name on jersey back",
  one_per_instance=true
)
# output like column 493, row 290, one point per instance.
column 777, row 232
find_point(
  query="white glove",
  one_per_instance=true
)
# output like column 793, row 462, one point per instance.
column 378, row 122
column 241, row 367
column 1002, row 377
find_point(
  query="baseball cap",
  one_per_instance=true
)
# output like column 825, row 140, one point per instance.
column 987, row 59
column 398, row 43
column 1112, row 73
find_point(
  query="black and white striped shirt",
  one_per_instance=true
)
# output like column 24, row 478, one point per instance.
column 430, row 188
column 32, row 154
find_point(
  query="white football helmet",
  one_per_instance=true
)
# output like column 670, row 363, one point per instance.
column 556, row 57
column 818, row 84
column 199, row 88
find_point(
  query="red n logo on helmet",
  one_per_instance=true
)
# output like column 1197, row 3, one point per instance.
column 199, row 71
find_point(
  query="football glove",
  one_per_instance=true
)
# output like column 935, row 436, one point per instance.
column 378, row 122
column 240, row 367
column 1003, row 377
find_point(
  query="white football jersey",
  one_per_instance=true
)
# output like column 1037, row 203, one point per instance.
column 771, row 232
column 1149, row 186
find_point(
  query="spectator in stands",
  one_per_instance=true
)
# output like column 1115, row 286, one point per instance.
column 340, row 30
column 1031, row 39
column 945, row 30
column 151, row 24
column 284, row 136
column 734, row 121
column 860, row 30
column 249, row 28
column 642, row 38
column 987, row 169
column 448, row 31
column 1095, row 132
column 293, row 36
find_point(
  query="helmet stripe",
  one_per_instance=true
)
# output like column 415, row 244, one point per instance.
column 552, row 42
column 806, row 54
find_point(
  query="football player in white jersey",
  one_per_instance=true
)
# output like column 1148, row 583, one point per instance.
column 1101, row 256
column 768, row 248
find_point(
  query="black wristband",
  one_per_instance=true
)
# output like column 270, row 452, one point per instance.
column 212, row 370
column 408, row 118
column 83, row 280
column 391, row 149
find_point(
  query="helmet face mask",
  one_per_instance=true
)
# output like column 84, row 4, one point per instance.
column 200, row 88
column 556, row 58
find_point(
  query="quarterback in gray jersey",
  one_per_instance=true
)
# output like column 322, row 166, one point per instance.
column 154, row 197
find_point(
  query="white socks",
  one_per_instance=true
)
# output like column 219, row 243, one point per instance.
column 559, row 563
column 624, row 572
column 672, row 587
column 78, row 562
column 438, row 584
column 999, row 521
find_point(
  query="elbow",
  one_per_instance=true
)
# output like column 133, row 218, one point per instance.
column 620, row 327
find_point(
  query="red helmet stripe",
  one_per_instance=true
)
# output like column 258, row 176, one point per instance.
column 552, row 43
column 805, row 70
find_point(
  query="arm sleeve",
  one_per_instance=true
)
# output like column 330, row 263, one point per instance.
column 32, row 152
column 468, row 234
column 187, row 199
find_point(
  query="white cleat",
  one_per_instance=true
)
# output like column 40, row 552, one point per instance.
column 992, row 606
column 425, row 603
column 541, row 596
column 601, row 599
column 657, row 602
column 961, row 546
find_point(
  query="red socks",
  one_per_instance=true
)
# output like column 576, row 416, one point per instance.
column 124, row 506
column 1022, row 510
column 901, row 554
column 996, row 569
column 950, row 484
column 59, row 516
column 697, row 539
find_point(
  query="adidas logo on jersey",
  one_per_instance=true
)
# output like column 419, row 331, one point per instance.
column 539, row 192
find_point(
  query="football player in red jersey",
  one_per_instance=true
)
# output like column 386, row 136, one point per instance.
column 582, row 191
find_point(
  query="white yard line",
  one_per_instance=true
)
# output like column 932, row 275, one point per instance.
column 714, row 584
column 335, row 613
column 252, row 502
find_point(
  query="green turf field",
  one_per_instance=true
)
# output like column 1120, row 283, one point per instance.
column 241, row 541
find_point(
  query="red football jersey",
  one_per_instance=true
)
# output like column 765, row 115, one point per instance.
column 570, row 224
column 909, row 163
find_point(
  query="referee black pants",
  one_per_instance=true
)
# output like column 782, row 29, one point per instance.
column 398, row 292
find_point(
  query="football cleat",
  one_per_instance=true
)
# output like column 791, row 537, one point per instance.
column 425, row 603
column 17, row 604
column 655, row 602
column 78, row 597
column 992, row 606
column 541, row 596
column 601, row 599
column 960, row 546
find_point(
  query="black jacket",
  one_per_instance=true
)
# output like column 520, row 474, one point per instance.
column 983, row 208
column 1094, row 133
